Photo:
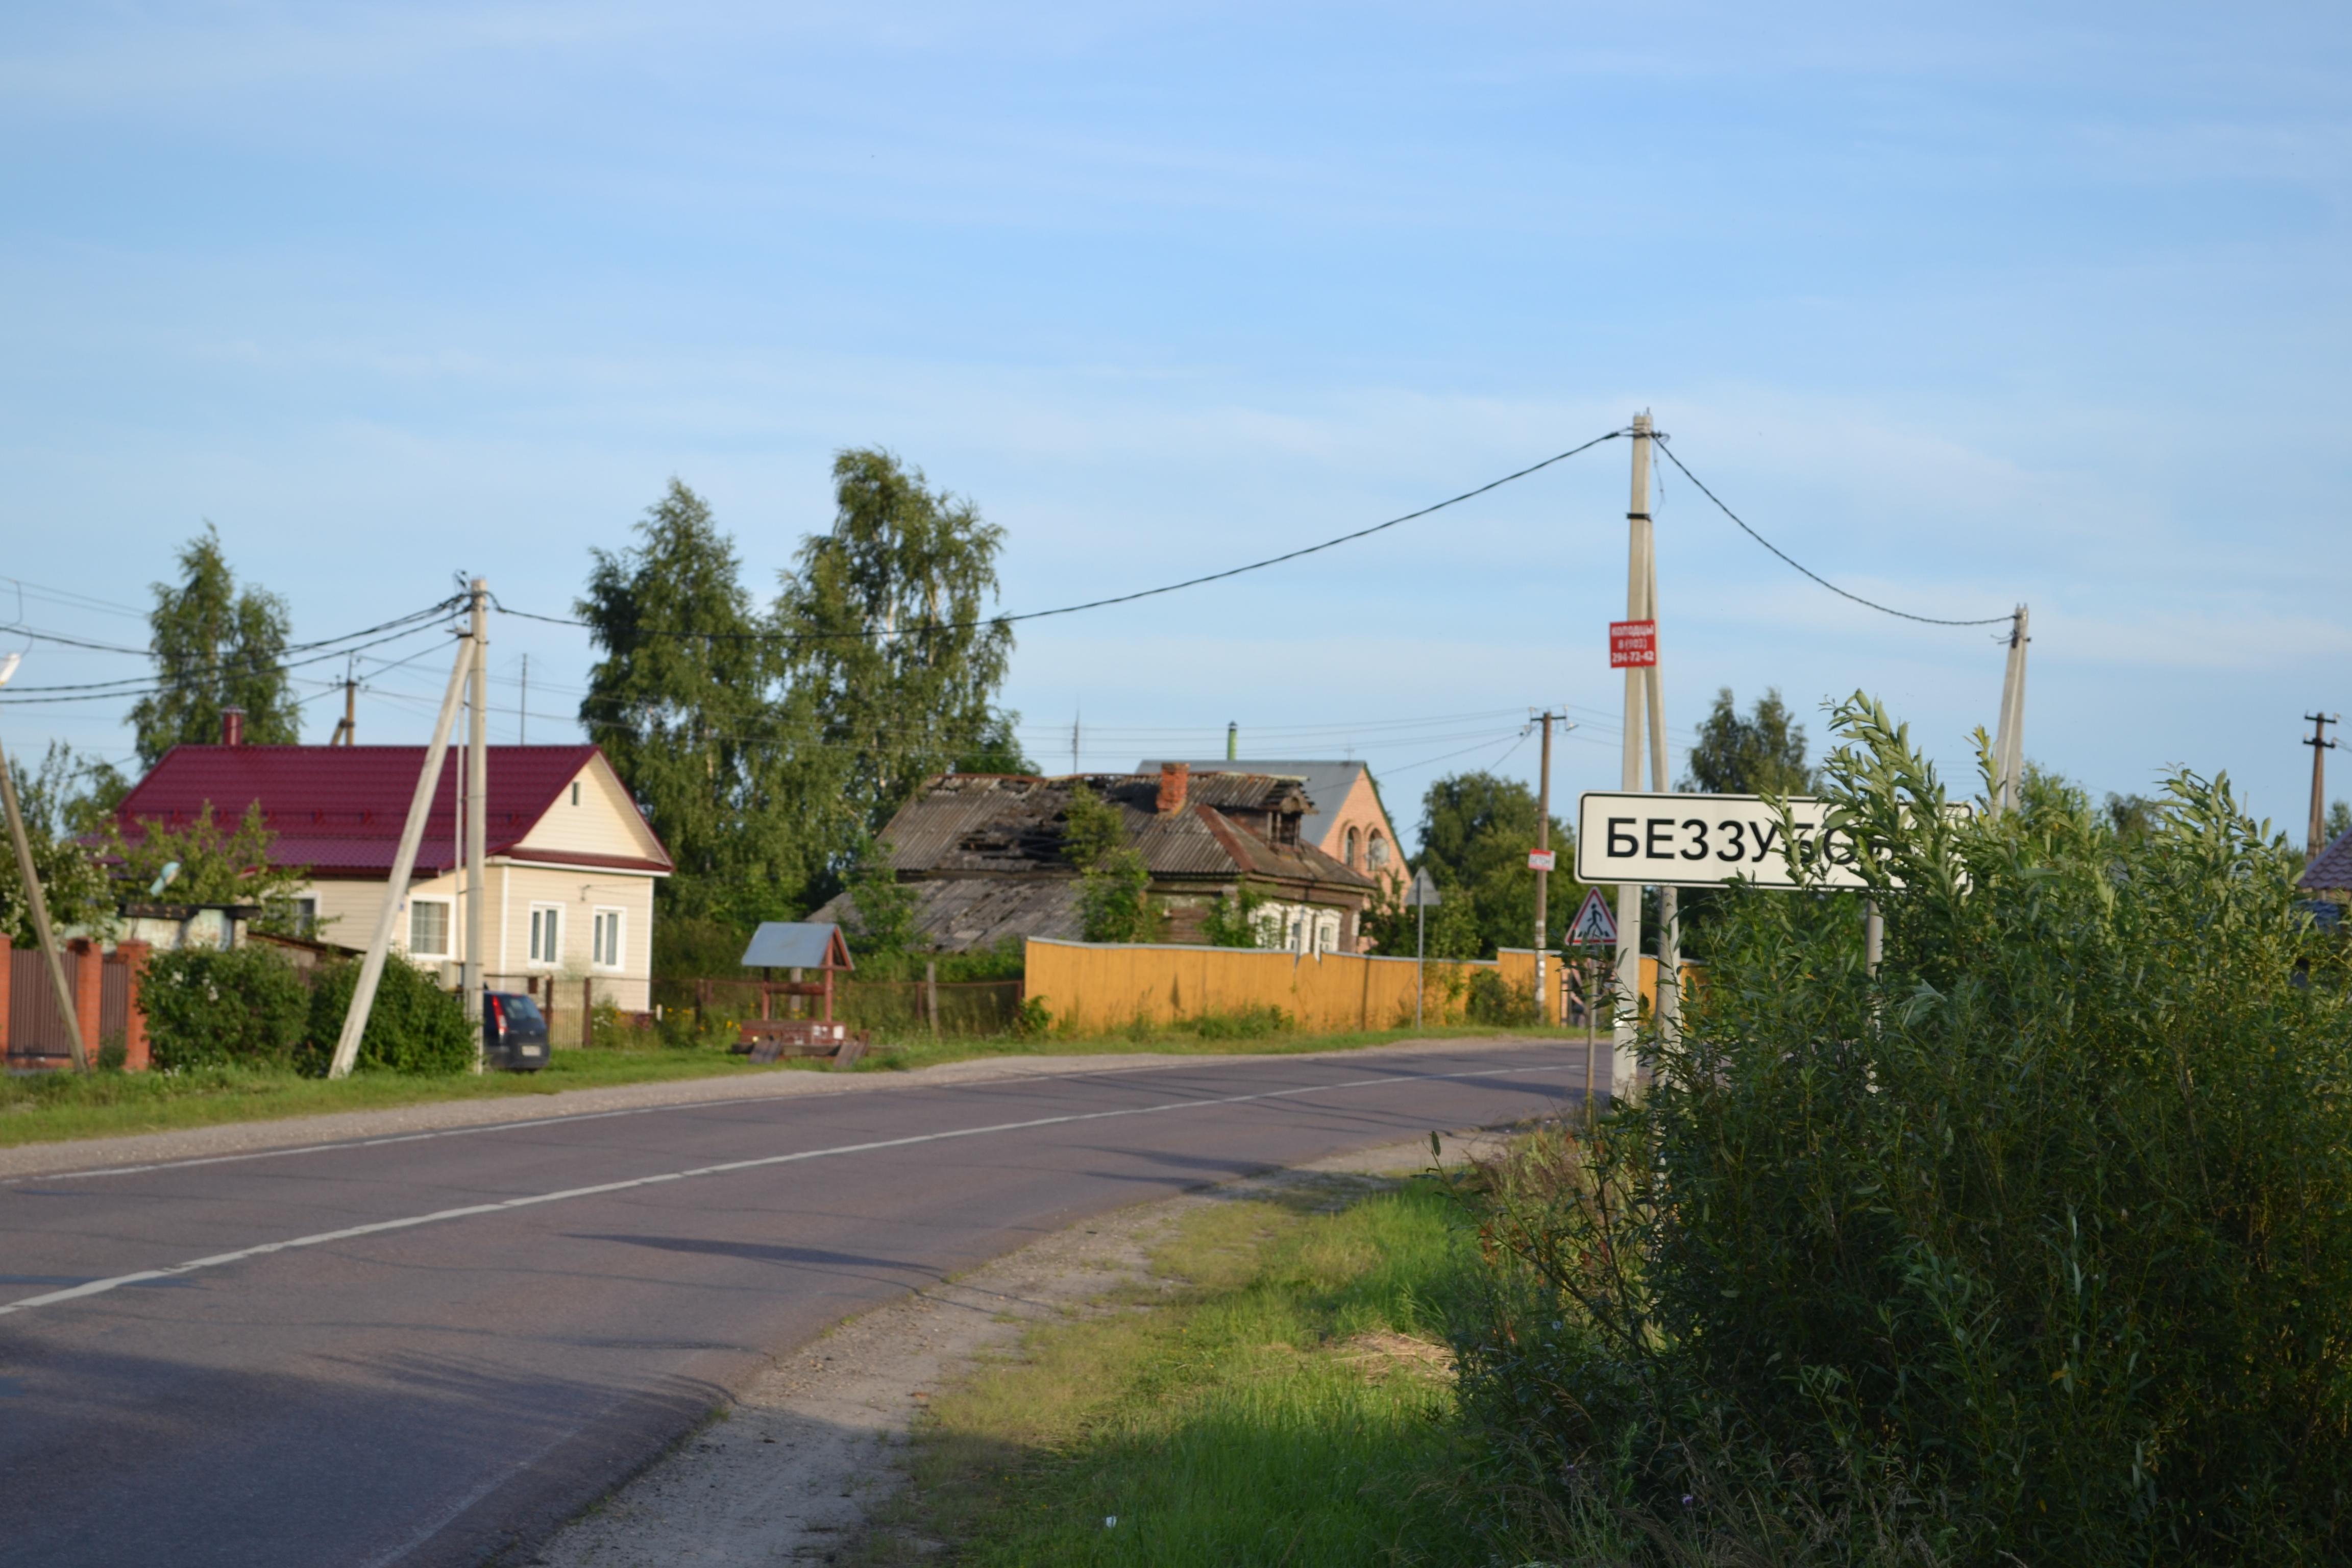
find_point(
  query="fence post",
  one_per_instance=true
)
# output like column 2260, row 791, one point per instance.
column 587, row 1011
column 132, row 956
column 88, row 982
column 932, row 994
column 7, row 973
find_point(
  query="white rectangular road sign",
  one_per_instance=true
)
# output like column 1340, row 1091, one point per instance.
column 1701, row 840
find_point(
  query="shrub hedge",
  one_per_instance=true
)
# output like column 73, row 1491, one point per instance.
column 414, row 1027
column 250, row 1007
column 244, row 1008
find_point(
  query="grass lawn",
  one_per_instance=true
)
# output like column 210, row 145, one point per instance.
column 1287, row 1402
column 40, row 1108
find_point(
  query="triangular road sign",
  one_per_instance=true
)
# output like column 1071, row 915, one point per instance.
column 1594, row 925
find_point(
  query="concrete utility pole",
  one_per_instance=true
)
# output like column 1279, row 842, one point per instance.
column 39, row 906
column 2320, row 746
column 1670, row 926
column 1543, row 843
column 477, row 804
column 1623, row 1062
column 347, row 731
column 404, row 862
column 2008, row 740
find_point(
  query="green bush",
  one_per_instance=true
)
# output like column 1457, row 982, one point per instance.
column 244, row 1008
column 415, row 1026
column 1494, row 1000
column 1257, row 1023
column 2034, row 1249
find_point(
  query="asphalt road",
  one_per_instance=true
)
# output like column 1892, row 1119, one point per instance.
column 434, row 1350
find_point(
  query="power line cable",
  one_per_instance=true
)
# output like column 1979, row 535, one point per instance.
column 115, row 688
column 1097, row 604
column 1843, row 594
column 144, row 685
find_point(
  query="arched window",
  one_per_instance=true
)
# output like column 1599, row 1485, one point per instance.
column 1353, row 844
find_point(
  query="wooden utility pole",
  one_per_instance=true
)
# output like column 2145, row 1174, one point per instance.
column 2320, row 746
column 22, row 843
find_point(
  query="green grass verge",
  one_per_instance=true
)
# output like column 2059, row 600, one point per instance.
column 1214, row 1037
column 1285, row 1403
column 52, row 1106
column 39, row 1107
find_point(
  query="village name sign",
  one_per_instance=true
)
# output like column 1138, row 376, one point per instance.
column 1707, row 840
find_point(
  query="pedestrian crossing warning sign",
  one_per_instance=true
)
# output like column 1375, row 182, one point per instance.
column 1594, row 926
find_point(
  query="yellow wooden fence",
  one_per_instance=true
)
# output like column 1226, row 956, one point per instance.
column 1092, row 987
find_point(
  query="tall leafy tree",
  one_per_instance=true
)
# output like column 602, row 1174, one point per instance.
column 1476, row 831
column 1762, row 753
column 891, row 665
column 681, row 701
column 215, row 646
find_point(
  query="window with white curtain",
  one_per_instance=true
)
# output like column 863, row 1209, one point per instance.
column 604, row 944
column 546, row 935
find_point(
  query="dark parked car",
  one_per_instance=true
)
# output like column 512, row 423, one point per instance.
column 514, row 1033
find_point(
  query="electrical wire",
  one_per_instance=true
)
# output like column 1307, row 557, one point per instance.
column 1870, row 604
column 1095, row 604
column 109, row 691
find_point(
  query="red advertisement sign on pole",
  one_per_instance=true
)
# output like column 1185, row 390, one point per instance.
column 1632, row 644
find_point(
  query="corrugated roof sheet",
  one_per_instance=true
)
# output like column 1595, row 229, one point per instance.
column 2330, row 870
column 339, row 809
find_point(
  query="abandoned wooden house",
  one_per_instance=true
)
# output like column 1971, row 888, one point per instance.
column 984, row 855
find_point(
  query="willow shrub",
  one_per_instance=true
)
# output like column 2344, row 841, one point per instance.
column 2037, row 1247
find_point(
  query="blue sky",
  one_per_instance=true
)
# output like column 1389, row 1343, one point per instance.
column 1962, row 310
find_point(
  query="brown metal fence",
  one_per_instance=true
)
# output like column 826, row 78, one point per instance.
column 37, row 1034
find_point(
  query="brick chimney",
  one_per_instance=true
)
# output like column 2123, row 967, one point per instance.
column 231, row 726
column 1174, row 779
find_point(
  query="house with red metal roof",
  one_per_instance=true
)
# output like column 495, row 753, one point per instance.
column 569, row 869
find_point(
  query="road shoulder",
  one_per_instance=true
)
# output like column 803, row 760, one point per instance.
column 812, row 1449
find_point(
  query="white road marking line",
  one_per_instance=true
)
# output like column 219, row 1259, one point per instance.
column 552, row 1118
column 221, row 1260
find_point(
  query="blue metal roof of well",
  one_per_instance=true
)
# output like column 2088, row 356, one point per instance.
column 789, row 944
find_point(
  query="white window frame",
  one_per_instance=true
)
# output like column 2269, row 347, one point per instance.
column 554, row 914
column 619, row 916
column 448, row 907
